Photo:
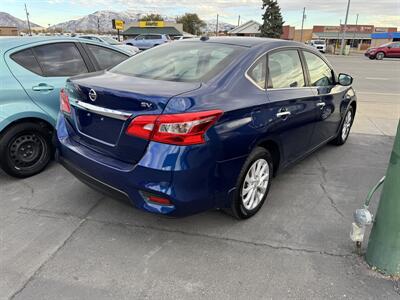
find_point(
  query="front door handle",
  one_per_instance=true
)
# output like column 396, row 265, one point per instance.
column 43, row 87
column 283, row 114
column 321, row 104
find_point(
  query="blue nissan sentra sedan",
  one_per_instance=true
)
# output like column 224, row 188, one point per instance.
column 201, row 124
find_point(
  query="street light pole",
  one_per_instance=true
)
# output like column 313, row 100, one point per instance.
column 27, row 20
column 217, row 27
column 302, row 25
column 344, row 29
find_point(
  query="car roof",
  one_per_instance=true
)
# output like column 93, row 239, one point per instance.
column 12, row 42
column 248, row 41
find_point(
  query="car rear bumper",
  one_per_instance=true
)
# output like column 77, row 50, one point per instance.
column 164, row 171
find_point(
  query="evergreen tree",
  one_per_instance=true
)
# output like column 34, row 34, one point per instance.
column 191, row 23
column 272, row 25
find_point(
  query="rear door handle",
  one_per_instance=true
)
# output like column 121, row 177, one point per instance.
column 283, row 114
column 42, row 87
column 321, row 104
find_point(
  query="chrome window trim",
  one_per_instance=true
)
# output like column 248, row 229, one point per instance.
column 281, row 48
column 111, row 113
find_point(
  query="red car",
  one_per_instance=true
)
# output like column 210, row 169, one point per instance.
column 385, row 50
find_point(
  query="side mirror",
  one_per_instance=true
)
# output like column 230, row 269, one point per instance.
column 389, row 46
column 344, row 79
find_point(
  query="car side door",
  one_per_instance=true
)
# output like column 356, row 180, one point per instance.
column 43, row 69
column 393, row 50
column 290, row 103
column 103, row 57
column 139, row 41
column 328, row 98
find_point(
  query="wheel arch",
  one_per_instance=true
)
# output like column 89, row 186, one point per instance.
column 34, row 119
column 274, row 149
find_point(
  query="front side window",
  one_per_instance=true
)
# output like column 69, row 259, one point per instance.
column 185, row 62
column 26, row 59
column 258, row 72
column 320, row 73
column 60, row 59
column 106, row 58
column 285, row 70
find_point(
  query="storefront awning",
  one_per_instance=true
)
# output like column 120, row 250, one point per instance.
column 347, row 36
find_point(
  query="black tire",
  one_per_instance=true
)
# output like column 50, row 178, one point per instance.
column 379, row 55
column 238, row 210
column 340, row 138
column 25, row 149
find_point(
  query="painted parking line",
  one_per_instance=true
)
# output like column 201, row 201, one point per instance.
column 377, row 78
column 374, row 93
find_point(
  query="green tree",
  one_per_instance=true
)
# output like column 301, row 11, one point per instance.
column 152, row 17
column 191, row 23
column 272, row 25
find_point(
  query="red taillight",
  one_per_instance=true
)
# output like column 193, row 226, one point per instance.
column 64, row 102
column 177, row 129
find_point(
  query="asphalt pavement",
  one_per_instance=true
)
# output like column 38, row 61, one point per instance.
column 59, row 239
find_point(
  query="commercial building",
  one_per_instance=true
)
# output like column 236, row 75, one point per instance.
column 8, row 31
column 379, row 38
column 152, row 27
column 252, row 28
column 357, row 36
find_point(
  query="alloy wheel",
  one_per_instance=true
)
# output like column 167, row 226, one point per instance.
column 255, row 184
column 347, row 125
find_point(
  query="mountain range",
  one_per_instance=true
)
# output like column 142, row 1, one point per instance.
column 9, row 20
column 102, row 21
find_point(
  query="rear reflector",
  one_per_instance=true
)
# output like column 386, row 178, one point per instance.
column 176, row 129
column 158, row 200
column 64, row 102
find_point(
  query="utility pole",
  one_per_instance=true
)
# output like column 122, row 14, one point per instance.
column 98, row 25
column 345, row 28
column 27, row 20
column 217, row 27
column 239, row 20
column 354, row 33
column 302, row 24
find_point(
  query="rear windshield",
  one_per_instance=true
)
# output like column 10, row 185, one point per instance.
column 319, row 42
column 180, row 61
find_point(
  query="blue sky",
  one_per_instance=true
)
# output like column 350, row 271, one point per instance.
column 377, row 12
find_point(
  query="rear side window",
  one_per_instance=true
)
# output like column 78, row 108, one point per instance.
column 285, row 70
column 105, row 57
column 186, row 62
column 60, row 59
column 320, row 73
column 257, row 72
column 26, row 59
column 153, row 37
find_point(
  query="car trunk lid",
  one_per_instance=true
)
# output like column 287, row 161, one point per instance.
column 104, row 104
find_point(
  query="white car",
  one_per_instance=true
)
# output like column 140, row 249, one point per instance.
column 110, row 41
column 320, row 45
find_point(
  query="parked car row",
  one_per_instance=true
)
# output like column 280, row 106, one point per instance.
column 176, row 130
column 112, row 42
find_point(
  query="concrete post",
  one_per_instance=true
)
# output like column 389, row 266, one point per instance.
column 384, row 243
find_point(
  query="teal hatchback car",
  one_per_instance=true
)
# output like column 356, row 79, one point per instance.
column 32, row 72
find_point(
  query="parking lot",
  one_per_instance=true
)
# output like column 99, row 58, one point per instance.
column 60, row 239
